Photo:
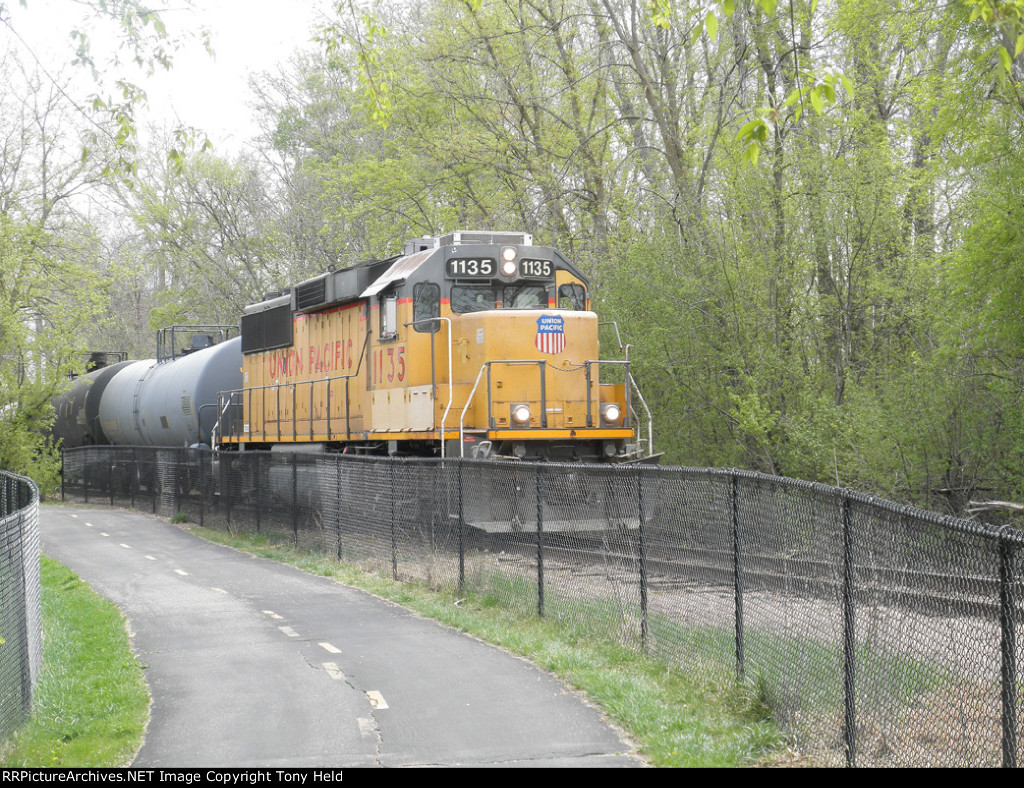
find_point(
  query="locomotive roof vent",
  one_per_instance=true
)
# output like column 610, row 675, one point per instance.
column 336, row 287
column 311, row 294
column 468, row 237
column 421, row 244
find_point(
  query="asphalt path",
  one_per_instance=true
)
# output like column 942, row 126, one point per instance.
column 252, row 663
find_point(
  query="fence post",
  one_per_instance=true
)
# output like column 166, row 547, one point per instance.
column 1008, row 627
column 154, row 477
column 462, row 527
column 258, row 462
column 295, row 489
column 341, row 463
column 133, row 480
column 540, row 543
column 849, row 643
column 337, row 499
column 22, row 606
column 394, row 543
column 737, row 569
column 180, row 477
column 225, row 491
column 642, row 548
column 62, row 498
column 200, row 477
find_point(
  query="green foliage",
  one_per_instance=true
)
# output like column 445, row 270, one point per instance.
column 1005, row 20
column 145, row 42
column 990, row 264
column 367, row 38
column 209, row 238
column 41, row 340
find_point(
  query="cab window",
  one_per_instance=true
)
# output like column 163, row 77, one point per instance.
column 426, row 303
column 525, row 297
column 474, row 298
column 572, row 297
column 389, row 316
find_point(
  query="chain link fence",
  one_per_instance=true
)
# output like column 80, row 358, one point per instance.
column 20, row 599
column 879, row 634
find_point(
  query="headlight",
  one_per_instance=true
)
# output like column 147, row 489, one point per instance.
column 521, row 414
column 509, row 266
column 611, row 413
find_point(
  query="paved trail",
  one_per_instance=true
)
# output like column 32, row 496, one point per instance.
column 253, row 663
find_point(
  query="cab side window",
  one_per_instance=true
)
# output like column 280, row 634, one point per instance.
column 389, row 316
column 426, row 303
column 572, row 297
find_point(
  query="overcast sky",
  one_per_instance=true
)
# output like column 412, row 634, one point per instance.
column 248, row 36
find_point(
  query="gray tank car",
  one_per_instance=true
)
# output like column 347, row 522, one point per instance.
column 170, row 403
column 77, row 411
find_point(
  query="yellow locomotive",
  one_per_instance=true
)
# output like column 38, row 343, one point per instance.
column 468, row 344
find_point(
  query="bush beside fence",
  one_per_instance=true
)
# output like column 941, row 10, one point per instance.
column 20, row 599
column 879, row 634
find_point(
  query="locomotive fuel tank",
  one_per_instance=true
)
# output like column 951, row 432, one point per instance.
column 172, row 403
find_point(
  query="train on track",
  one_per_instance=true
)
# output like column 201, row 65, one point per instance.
column 468, row 344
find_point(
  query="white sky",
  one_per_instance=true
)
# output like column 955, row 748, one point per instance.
column 247, row 36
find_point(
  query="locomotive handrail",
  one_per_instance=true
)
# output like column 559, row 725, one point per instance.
column 220, row 416
column 650, row 420
column 618, row 337
column 629, row 407
column 294, row 385
column 487, row 365
column 451, row 385
column 543, row 362
column 462, row 417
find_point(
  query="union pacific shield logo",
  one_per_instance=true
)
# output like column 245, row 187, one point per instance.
column 550, row 334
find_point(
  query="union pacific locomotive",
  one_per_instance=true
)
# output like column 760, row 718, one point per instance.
column 468, row 344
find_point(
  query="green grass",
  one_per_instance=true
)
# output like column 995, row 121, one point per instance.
column 90, row 705
column 675, row 720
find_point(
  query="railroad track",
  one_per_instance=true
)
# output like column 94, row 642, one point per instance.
column 930, row 592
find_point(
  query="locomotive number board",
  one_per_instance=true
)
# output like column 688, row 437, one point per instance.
column 472, row 267
column 536, row 269
column 487, row 268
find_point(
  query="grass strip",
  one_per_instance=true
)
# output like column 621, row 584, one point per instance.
column 91, row 704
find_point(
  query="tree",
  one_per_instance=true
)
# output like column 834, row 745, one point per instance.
column 208, row 230
column 45, row 245
column 143, row 44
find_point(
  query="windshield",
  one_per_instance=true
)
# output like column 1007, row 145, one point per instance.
column 525, row 297
column 474, row 298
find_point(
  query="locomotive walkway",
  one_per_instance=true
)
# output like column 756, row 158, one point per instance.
column 253, row 663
